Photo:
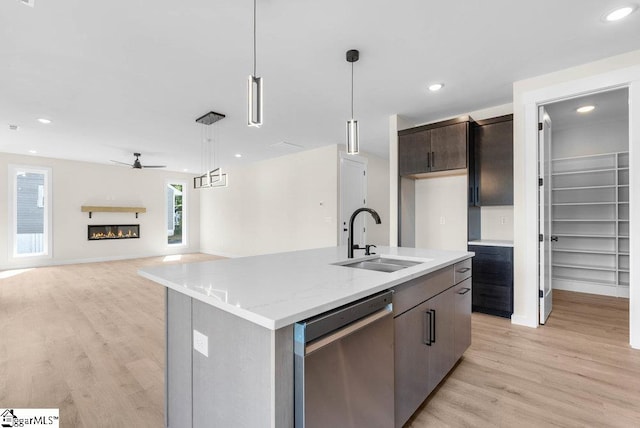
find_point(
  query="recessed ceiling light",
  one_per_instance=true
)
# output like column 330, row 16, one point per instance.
column 238, row 155
column 618, row 14
column 585, row 109
column 436, row 87
column 33, row 152
column 185, row 169
column 45, row 121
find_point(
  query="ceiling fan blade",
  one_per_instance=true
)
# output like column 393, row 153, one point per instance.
column 121, row 163
column 154, row 166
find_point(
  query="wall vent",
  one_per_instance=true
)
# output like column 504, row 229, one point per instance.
column 286, row 146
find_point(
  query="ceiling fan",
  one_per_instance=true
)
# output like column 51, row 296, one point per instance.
column 137, row 165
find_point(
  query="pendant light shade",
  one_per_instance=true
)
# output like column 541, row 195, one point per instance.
column 255, row 101
column 213, row 175
column 353, row 131
column 254, row 116
column 353, row 140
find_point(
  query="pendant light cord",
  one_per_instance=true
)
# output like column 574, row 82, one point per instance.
column 352, row 90
column 254, row 38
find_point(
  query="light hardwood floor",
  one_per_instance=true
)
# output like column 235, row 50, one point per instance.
column 89, row 339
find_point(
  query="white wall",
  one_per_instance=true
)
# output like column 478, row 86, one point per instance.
column 378, row 198
column 81, row 183
column 281, row 204
column 441, row 212
column 621, row 70
column 590, row 139
column 497, row 223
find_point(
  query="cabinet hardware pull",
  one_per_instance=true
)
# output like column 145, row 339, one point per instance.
column 464, row 291
column 428, row 160
column 433, row 159
column 433, row 327
column 477, row 196
column 463, row 270
column 427, row 329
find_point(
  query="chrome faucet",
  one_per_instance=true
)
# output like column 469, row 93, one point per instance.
column 350, row 245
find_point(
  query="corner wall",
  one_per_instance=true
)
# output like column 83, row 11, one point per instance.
column 282, row 204
column 82, row 183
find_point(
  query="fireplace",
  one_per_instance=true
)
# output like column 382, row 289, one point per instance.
column 113, row 231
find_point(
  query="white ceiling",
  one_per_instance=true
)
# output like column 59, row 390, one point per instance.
column 609, row 106
column 122, row 76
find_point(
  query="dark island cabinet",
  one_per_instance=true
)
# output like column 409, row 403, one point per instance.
column 431, row 148
column 492, row 280
column 493, row 151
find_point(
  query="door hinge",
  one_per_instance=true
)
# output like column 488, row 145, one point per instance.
column 364, row 172
column 540, row 181
column 540, row 294
column 364, row 201
column 541, row 237
column 539, row 126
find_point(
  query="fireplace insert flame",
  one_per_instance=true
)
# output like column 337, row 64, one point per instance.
column 114, row 231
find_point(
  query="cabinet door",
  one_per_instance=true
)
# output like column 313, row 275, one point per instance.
column 492, row 280
column 462, row 318
column 411, row 361
column 494, row 159
column 413, row 153
column 449, row 147
column 441, row 357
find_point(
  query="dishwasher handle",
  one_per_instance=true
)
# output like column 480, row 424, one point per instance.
column 347, row 330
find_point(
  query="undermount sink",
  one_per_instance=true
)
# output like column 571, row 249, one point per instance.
column 382, row 264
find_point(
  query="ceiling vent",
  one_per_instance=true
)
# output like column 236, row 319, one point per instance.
column 13, row 127
column 30, row 3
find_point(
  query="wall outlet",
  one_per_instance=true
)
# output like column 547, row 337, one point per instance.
column 503, row 220
column 201, row 343
column 442, row 220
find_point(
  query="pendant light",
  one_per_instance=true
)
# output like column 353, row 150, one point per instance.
column 213, row 175
column 353, row 143
column 254, row 86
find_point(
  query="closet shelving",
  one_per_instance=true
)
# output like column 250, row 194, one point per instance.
column 590, row 218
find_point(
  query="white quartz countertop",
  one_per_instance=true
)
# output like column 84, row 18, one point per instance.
column 277, row 290
column 492, row 243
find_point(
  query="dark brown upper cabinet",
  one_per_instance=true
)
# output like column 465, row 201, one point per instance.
column 493, row 151
column 449, row 147
column 432, row 148
column 413, row 153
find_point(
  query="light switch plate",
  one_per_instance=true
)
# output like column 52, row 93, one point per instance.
column 201, row 343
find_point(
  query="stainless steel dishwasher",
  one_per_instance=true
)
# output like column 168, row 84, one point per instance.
column 344, row 366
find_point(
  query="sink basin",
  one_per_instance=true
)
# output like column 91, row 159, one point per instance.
column 382, row 264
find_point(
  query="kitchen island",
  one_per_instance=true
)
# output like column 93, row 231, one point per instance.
column 230, row 326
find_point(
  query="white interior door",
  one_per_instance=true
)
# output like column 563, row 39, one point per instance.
column 353, row 195
column 545, row 213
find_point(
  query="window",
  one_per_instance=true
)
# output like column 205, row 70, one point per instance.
column 176, row 218
column 30, row 218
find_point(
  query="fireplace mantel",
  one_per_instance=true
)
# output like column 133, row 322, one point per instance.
column 101, row 209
